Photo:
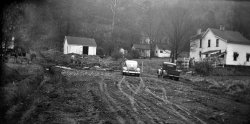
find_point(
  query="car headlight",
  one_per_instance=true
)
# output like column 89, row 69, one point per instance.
column 164, row 71
column 159, row 71
column 124, row 68
column 138, row 69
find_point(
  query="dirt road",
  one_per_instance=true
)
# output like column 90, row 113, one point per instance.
column 107, row 97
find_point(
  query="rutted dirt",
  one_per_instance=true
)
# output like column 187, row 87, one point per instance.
column 109, row 97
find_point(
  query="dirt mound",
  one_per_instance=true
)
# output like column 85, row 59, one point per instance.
column 9, row 74
column 72, row 60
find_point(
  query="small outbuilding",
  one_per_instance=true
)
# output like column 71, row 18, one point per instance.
column 79, row 45
column 162, row 50
column 144, row 49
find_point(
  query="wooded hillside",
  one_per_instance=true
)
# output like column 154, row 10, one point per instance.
column 118, row 23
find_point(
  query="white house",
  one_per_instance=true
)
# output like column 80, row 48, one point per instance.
column 162, row 50
column 229, row 46
column 144, row 49
column 79, row 45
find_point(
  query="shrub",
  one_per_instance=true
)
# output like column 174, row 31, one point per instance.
column 54, row 56
column 223, row 71
column 100, row 51
column 32, row 56
column 116, row 55
column 128, row 56
column 134, row 54
column 203, row 68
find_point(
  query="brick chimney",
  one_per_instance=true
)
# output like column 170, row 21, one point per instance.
column 222, row 28
column 199, row 31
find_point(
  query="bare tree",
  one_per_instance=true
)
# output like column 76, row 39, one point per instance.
column 113, row 7
column 177, row 23
column 151, row 23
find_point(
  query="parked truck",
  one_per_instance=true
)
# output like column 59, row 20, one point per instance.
column 168, row 69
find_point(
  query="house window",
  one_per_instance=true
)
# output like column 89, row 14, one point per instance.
column 247, row 57
column 209, row 41
column 217, row 42
column 235, row 55
column 161, row 51
column 200, row 43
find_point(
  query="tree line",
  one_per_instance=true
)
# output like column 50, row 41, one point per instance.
column 113, row 24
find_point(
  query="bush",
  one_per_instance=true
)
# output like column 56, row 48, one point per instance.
column 223, row 71
column 32, row 56
column 54, row 56
column 203, row 68
column 100, row 51
column 116, row 55
column 128, row 56
column 134, row 54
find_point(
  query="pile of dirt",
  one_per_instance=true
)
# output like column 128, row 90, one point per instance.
column 54, row 57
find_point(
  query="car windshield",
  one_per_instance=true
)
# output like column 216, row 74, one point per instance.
column 131, row 64
column 169, row 67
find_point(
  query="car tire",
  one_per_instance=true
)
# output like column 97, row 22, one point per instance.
column 160, row 76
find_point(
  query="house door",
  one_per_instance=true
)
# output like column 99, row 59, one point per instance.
column 85, row 50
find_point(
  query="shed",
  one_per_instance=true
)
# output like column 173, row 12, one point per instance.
column 162, row 50
column 79, row 45
column 144, row 49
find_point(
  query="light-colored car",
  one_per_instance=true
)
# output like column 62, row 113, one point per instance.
column 130, row 67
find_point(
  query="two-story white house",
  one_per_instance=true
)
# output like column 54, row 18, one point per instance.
column 229, row 46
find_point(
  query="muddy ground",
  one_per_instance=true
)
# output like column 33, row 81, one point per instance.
column 88, row 96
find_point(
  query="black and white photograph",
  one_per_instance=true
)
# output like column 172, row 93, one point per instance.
column 125, row 62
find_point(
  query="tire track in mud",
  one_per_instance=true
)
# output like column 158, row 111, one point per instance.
column 118, row 108
column 103, row 89
column 136, row 91
column 144, row 107
column 141, row 104
column 131, row 98
column 175, row 109
column 151, row 100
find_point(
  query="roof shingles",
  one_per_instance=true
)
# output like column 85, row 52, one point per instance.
column 141, row 46
column 81, row 41
column 163, row 46
column 230, row 36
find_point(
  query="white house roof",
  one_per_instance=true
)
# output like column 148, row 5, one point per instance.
column 230, row 36
column 197, row 36
column 163, row 46
column 142, row 46
column 81, row 41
